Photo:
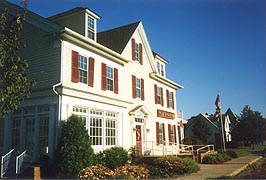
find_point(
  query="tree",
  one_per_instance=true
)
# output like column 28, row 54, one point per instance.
column 74, row 150
column 251, row 127
column 14, row 84
column 201, row 131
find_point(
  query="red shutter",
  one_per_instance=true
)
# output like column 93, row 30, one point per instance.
column 155, row 94
column 167, row 98
column 75, row 67
column 116, row 80
column 133, row 49
column 140, row 54
column 103, row 76
column 142, row 90
column 175, row 133
column 163, row 134
column 134, row 86
column 173, row 100
column 162, row 95
column 91, row 72
column 157, row 134
column 169, row 134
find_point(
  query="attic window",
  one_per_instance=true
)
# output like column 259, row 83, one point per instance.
column 160, row 68
column 91, row 28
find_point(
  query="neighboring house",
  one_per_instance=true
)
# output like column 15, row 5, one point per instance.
column 112, row 79
column 214, row 126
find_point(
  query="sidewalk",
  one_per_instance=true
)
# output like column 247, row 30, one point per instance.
column 229, row 168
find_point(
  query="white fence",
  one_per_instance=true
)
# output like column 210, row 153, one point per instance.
column 5, row 162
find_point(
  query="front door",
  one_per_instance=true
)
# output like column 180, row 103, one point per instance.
column 138, row 139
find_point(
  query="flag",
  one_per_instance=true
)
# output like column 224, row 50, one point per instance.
column 218, row 102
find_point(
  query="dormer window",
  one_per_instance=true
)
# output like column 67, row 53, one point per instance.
column 160, row 68
column 91, row 28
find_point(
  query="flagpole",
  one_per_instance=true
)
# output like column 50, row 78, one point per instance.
column 222, row 125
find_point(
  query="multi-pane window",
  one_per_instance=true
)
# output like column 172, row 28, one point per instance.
column 161, row 133
column 83, row 69
column 160, row 68
column 91, row 28
column 43, row 133
column 138, row 87
column 29, row 135
column 110, row 131
column 109, row 78
column 159, row 95
column 96, row 130
column 137, row 51
column 101, row 125
column 15, row 132
column 170, row 95
column 172, row 134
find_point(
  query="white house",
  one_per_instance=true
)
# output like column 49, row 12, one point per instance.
column 112, row 79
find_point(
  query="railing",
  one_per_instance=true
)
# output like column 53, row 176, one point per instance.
column 4, row 162
column 19, row 161
column 186, row 148
column 210, row 148
column 150, row 148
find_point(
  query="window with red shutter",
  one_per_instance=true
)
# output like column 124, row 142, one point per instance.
column 162, row 96
column 155, row 94
column 140, row 54
column 133, row 49
column 103, row 76
column 163, row 134
column 75, row 71
column 157, row 134
column 142, row 90
column 170, row 134
column 91, row 71
column 173, row 100
column 134, row 95
column 167, row 98
column 116, row 80
column 175, row 134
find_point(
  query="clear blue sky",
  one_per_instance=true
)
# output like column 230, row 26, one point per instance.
column 210, row 45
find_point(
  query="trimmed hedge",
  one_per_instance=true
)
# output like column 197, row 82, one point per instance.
column 215, row 158
column 165, row 167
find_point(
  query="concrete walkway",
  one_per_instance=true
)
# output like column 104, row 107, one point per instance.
column 229, row 168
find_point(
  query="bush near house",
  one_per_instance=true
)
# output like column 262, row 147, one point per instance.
column 112, row 158
column 215, row 158
column 74, row 151
column 165, row 167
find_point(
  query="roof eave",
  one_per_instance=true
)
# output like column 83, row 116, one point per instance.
column 69, row 35
column 165, row 81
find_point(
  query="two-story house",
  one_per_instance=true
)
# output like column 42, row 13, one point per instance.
column 112, row 79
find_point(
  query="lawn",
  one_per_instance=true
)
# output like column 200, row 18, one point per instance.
column 244, row 151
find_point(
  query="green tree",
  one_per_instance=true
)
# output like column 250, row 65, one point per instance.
column 14, row 84
column 201, row 131
column 251, row 127
column 74, row 150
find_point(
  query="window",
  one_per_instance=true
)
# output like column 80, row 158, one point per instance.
column 83, row 69
column 160, row 68
column 101, row 125
column 109, row 78
column 172, row 134
column 160, row 133
column 29, row 135
column 158, row 94
column 136, row 51
column 16, row 133
column 96, row 130
column 170, row 99
column 91, row 28
column 43, row 133
column 138, row 87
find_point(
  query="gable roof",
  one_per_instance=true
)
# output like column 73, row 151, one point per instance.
column 192, row 120
column 116, row 39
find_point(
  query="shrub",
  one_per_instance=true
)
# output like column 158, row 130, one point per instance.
column 215, row 158
column 112, row 158
column 74, row 151
column 96, row 172
column 168, row 166
column 131, row 172
column 232, row 154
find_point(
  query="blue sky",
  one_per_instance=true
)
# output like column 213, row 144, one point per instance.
column 211, row 45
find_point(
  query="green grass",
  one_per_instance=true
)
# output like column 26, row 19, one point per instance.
column 244, row 151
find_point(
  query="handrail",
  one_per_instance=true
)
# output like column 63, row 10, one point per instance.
column 19, row 161
column 210, row 148
column 5, row 162
column 185, row 147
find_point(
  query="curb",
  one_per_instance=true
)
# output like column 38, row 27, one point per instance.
column 234, row 173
